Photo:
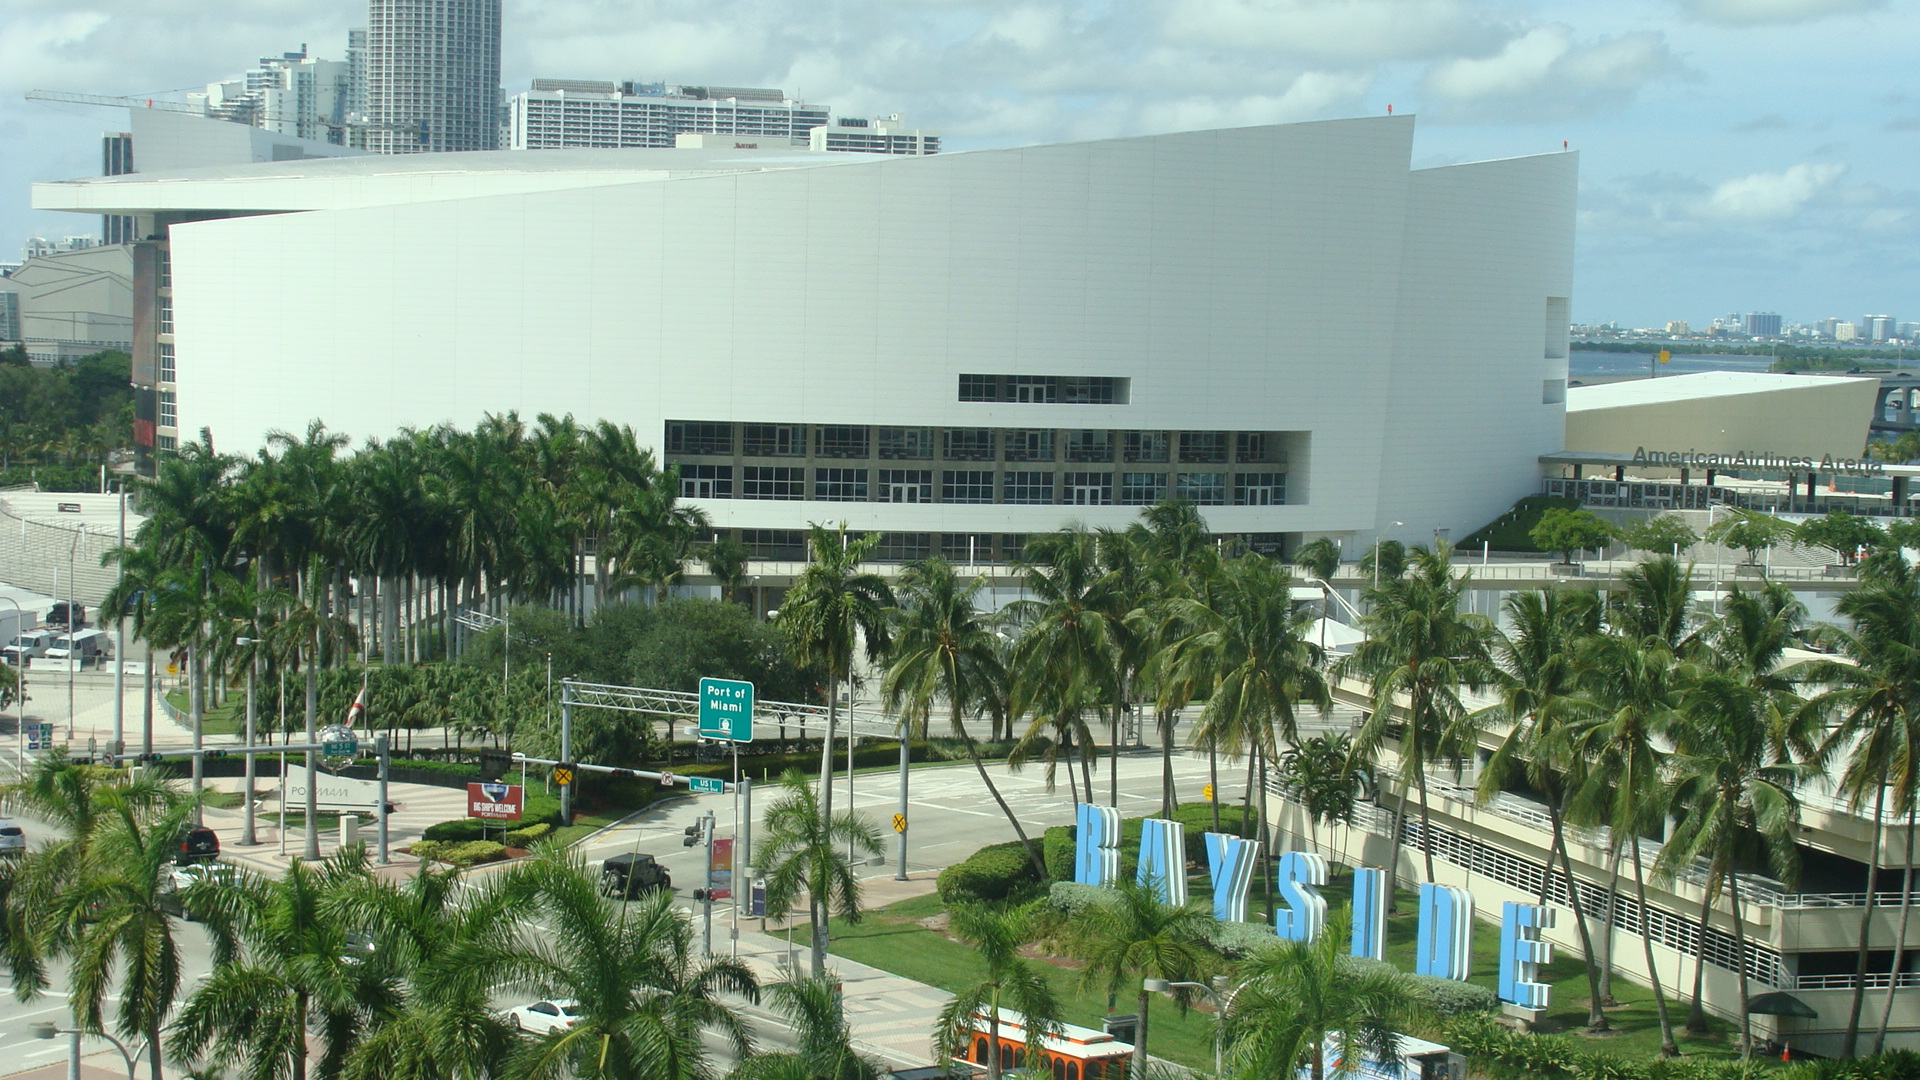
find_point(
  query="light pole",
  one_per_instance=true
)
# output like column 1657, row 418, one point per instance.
column 20, row 686
column 1376, row 554
column 48, row 1030
column 247, row 837
column 1212, row 990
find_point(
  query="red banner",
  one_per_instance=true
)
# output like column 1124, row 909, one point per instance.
column 720, row 868
column 496, row 802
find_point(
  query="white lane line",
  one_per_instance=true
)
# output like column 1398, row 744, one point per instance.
column 49, row 1050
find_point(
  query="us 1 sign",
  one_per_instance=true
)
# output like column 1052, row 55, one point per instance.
column 726, row 710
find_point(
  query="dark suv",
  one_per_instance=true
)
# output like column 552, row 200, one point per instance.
column 197, row 844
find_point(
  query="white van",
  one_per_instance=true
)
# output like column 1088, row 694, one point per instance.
column 28, row 644
column 88, row 646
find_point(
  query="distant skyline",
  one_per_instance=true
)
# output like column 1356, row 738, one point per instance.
column 1737, row 155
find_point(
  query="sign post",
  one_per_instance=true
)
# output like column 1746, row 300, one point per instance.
column 726, row 710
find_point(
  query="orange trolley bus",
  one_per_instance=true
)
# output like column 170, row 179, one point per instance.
column 1073, row 1053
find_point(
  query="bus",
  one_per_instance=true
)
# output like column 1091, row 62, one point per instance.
column 1072, row 1053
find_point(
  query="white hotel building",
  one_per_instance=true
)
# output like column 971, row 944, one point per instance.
column 1287, row 325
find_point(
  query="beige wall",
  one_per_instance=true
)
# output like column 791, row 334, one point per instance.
column 1826, row 416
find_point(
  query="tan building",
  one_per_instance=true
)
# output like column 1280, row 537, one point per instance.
column 1724, row 413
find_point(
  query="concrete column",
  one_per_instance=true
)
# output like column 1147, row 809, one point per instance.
column 1900, row 495
column 1619, row 473
column 1905, row 401
column 1576, row 472
column 1686, row 476
column 1710, row 473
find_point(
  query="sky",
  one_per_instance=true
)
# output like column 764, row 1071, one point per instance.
column 1736, row 155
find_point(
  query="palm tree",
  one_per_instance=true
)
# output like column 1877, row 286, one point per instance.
column 1421, row 646
column 942, row 649
column 1134, row 936
column 1321, row 776
column 644, row 993
column 282, row 962
column 1319, row 557
column 1297, row 997
column 830, row 610
column 726, row 559
column 1876, row 698
column 1011, row 981
column 1734, row 775
column 802, row 851
column 825, row 1047
column 310, row 636
column 1070, row 650
column 1538, row 680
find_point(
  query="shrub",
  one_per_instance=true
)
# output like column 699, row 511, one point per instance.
column 1057, row 851
column 462, row 855
column 996, row 872
column 1237, row 939
column 528, row 836
column 1449, row 998
column 456, row 831
column 1071, row 898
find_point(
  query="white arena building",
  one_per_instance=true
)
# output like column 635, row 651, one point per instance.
column 1287, row 325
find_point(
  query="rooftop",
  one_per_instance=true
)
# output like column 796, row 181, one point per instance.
column 1695, row 387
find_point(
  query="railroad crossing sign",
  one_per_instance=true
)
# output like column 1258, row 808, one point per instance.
column 706, row 785
column 899, row 823
column 562, row 775
column 726, row 710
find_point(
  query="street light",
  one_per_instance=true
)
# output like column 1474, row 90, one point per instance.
column 20, row 685
column 248, row 835
column 1212, row 990
column 49, row 1030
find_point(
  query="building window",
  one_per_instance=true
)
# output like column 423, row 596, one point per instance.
column 1259, row 489
column 774, row 440
column 706, row 481
column 1202, row 488
column 840, row 485
column 905, row 486
column 906, row 443
column 968, row 444
column 966, row 548
column 1203, row 447
column 966, row 486
column 1030, row 444
column 773, row 482
column 1089, row 446
column 165, row 442
column 1256, row 446
column 166, row 362
column 1013, row 546
column 979, row 388
column 1036, row 389
column 786, row 545
column 169, row 410
column 1029, row 487
column 1089, row 488
column 165, row 304
column 839, row 441
column 166, row 268
column 1046, row 389
column 1146, row 446
column 903, row 547
column 688, row 437
column 1143, row 488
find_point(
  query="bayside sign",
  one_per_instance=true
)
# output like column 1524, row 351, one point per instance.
column 1444, row 943
column 1753, row 459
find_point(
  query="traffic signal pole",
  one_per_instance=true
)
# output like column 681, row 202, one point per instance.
column 566, row 749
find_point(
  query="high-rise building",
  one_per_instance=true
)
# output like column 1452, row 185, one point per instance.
column 577, row 114
column 433, row 75
column 1678, row 328
column 116, row 159
column 881, row 135
column 290, row 94
column 1877, row 327
column 1762, row 324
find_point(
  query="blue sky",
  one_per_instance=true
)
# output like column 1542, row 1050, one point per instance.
column 1736, row 154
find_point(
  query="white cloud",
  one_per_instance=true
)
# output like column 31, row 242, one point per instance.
column 1311, row 95
column 1758, row 12
column 1547, row 61
column 1770, row 196
column 1349, row 30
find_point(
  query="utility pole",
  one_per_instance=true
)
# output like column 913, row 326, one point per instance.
column 120, row 645
column 380, row 748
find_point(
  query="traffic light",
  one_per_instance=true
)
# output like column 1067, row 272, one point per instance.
column 493, row 764
column 693, row 835
column 215, row 755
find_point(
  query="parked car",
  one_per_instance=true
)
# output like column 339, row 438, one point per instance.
column 541, row 1017
column 90, row 646
column 67, row 615
column 198, row 844
column 633, row 875
column 13, row 841
column 181, row 878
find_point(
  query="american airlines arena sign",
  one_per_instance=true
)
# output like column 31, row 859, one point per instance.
column 1444, row 943
column 1753, row 459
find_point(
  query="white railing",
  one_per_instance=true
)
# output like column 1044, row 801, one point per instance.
column 1875, row 980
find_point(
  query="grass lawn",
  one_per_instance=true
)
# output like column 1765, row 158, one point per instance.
column 221, row 800
column 228, row 719
column 584, row 825
column 891, row 939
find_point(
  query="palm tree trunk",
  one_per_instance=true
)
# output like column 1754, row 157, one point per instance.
column 1113, row 759
column 993, row 1040
column 299, row 1053
column 1267, row 843
column 1140, row 1045
column 1246, row 796
column 973, row 754
column 1168, row 799
column 312, row 850
column 1900, row 939
column 153, row 1051
column 826, row 748
column 819, row 907
column 1668, row 1048
column 1086, row 763
column 1613, row 891
column 1426, row 823
column 196, row 710
column 1213, row 779
column 1697, row 1009
column 1740, row 960
column 1596, row 1019
column 1866, row 917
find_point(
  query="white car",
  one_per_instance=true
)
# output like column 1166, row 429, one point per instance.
column 544, row 1016
column 13, row 841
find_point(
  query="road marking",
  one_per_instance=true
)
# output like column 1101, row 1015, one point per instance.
column 47, row 1051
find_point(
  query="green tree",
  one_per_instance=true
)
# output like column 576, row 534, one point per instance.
column 803, row 850
column 1133, row 936
column 1069, row 653
column 726, row 560
column 944, row 650
column 1749, row 531
column 1845, row 534
column 1569, row 532
column 1385, row 560
column 1421, row 646
column 1319, row 557
column 824, row 1051
column 1667, row 534
column 833, row 609
column 1011, row 981
column 1320, row 772
column 1296, row 998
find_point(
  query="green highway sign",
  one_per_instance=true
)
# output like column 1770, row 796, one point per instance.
column 339, row 749
column 706, row 785
column 726, row 710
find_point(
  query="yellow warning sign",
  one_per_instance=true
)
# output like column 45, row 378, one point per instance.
column 900, row 823
column 1207, row 792
column 562, row 776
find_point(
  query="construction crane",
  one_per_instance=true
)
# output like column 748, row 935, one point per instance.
column 414, row 127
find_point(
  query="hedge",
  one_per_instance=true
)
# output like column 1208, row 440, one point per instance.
column 460, row 854
column 994, row 873
column 528, row 836
column 1196, row 820
column 1503, row 1054
column 1445, row 997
